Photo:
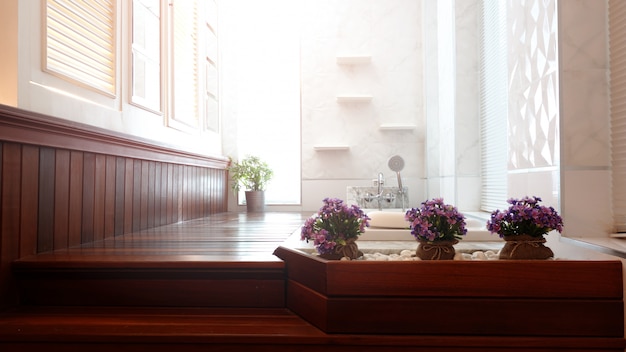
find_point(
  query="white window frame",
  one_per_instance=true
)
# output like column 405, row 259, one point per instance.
column 199, row 111
column 146, row 93
column 84, row 23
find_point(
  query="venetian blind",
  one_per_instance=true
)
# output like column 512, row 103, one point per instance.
column 80, row 42
column 493, row 105
column 617, row 56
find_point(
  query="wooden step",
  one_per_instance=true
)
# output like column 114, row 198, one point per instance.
column 138, row 281
column 224, row 260
column 227, row 329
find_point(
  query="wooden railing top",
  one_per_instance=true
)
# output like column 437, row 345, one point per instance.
column 21, row 126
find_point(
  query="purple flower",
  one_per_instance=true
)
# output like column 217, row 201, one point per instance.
column 334, row 223
column 436, row 221
column 525, row 217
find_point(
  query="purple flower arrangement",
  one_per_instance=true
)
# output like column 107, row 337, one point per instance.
column 436, row 221
column 525, row 217
column 333, row 225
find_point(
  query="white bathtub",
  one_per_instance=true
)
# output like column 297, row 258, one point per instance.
column 393, row 227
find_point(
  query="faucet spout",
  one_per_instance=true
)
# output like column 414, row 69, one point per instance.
column 381, row 181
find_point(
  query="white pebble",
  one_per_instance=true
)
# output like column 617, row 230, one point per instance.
column 406, row 253
column 409, row 255
column 478, row 255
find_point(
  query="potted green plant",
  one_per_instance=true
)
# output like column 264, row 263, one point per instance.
column 252, row 174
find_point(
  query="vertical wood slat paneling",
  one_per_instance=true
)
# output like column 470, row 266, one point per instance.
column 109, row 196
column 144, row 188
column 182, row 194
column 99, row 197
column 129, row 168
column 28, row 200
column 157, row 194
column 10, row 215
column 89, row 181
column 210, row 187
column 61, row 199
column 76, row 198
column 195, row 189
column 170, row 193
column 45, row 231
column 202, row 192
column 68, row 197
column 150, row 194
column 178, row 193
column 120, row 183
column 163, row 200
column 136, row 214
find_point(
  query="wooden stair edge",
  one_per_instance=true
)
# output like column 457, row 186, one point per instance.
column 54, row 262
column 231, row 326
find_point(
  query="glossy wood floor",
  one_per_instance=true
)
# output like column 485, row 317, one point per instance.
column 223, row 237
column 224, row 260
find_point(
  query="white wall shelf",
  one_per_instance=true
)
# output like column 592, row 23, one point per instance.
column 354, row 98
column 330, row 148
column 353, row 59
column 396, row 127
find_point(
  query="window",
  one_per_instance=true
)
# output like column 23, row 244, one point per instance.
column 184, row 64
column 193, row 65
column 262, row 62
column 493, row 105
column 146, row 54
column 80, row 42
column 209, row 61
column 80, row 46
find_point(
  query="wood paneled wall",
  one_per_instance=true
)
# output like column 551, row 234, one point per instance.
column 64, row 184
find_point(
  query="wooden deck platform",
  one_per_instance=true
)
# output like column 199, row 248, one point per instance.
column 224, row 260
column 224, row 237
column 211, row 283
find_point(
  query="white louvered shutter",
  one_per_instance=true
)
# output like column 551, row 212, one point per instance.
column 80, row 42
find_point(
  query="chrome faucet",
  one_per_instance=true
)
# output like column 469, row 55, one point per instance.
column 379, row 196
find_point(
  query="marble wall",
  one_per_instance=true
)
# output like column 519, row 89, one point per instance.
column 349, row 143
column 585, row 125
column 452, row 115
